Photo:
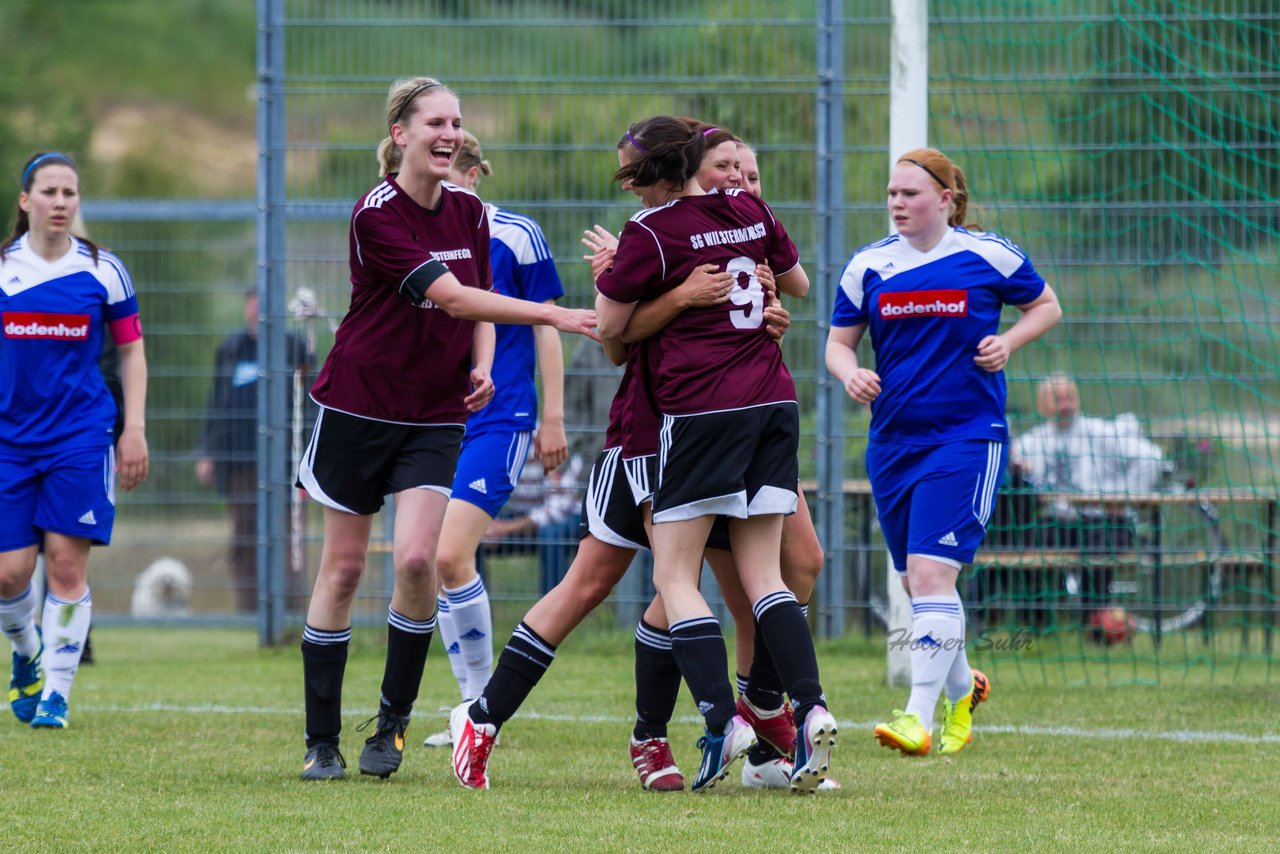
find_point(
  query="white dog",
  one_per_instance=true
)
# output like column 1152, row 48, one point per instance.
column 162, row 590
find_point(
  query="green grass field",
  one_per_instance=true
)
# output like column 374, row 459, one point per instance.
column 191, row 740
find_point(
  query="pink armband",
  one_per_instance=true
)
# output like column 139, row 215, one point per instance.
column 126, row 330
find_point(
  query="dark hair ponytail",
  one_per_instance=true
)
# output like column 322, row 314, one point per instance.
column 667, row 150
column 21, row 223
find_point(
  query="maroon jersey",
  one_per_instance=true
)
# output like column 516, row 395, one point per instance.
column 641, row 419
column 392, row 360
column 718, row 357
column 633, row 416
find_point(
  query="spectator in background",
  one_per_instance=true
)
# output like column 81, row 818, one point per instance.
column 229, row 445
column 1075, row 453
column 1071, row 452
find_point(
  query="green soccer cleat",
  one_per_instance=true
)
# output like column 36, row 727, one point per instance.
column 957, row 717
column 905, row 733
column 26, row 683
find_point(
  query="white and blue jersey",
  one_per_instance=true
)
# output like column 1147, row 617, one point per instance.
column 497, row 440
column 926, row 313
column 524, row 269
column 52, row 319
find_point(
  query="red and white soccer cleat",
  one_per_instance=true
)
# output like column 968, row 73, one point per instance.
column 472, row 744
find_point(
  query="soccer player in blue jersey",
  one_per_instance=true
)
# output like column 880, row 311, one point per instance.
column 931, row 295
column 497, row 439
column 59, row 296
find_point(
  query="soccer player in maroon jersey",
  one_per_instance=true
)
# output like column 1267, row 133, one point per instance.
column 409, row 361
column 760, row 689
column 615, row 526
column 730, row 429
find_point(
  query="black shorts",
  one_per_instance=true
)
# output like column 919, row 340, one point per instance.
column 738, row 463
column 609, row 512
column 352, row 463
column 642, row 475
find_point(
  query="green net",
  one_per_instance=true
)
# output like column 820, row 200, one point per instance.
column 1131, row 149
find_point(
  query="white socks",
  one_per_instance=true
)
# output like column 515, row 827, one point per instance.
column 18, row 622
column 449, row 637
column 473, row 622
column 937, row 634
column 65, row 624
column 960, row 677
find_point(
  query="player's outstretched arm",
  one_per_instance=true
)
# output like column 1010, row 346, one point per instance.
column 433, row 281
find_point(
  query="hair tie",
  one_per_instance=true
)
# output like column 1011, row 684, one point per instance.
column 709, row 131
column 941, row 183
column 44, row 158
column 638, row 146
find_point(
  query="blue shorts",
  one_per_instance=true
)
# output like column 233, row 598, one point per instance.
column 70, row 492
column 489, row 466
column 935, row 500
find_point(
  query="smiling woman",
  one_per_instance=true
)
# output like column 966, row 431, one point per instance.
column 411, row 359
column 60, row 295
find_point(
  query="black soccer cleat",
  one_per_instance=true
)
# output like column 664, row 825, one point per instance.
column 385, row 748
column 323, row 762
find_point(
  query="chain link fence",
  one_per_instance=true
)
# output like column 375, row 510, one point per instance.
column 1128, row 147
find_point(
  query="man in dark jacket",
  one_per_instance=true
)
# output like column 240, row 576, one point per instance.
column 229, row 443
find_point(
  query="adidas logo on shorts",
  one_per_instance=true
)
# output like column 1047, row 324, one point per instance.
column 87, row 519
column 949, row 539
column 478, row 486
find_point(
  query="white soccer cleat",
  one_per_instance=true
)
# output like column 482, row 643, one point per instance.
column 438, row 739
column 813, row 750
column 770, row 774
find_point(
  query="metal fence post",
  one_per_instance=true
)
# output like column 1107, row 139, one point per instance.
column 273, row 447
column 831, row 240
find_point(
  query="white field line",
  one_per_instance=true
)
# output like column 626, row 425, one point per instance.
column 1104, row 733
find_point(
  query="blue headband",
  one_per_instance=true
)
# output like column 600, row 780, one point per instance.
column 634, row 142
column 43, row 158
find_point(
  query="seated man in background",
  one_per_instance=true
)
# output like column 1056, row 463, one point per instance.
column 543, row 513
column 1075, row 453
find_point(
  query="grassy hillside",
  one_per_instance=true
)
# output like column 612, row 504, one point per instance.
column 145, row 93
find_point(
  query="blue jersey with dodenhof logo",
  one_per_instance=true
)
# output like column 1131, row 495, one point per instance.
column 926, row 312
column 52, row 319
